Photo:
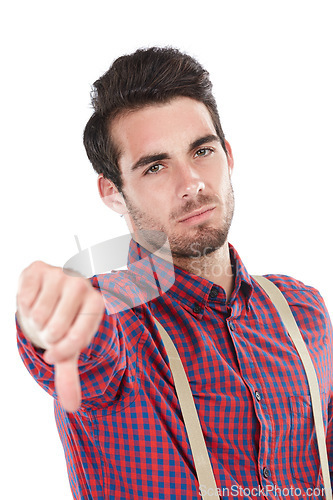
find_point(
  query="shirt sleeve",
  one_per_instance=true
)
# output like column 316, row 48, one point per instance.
column 330, row 438
column 97, row 364
column 329, row 340
column 330, row 404
column 322, row 327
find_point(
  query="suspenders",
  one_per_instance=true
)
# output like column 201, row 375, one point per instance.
column 207, row 483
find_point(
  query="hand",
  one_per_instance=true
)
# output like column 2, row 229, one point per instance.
column 61, row 314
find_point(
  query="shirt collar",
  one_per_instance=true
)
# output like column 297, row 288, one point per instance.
column 149, row 270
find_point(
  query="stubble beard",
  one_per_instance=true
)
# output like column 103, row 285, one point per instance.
column 201, row 241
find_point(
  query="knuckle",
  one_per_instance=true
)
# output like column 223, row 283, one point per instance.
column 56, row 328
column 30, row 275
column 80, row 338
column 75, row 336
column 55, row 273
column 97, row 301
column 62, row 353
column 26, row 280
column 77, row 285
column 39, row 315
column 66, row 347
column 22, row 300
column 54, row 279
column 35, row 266
column 72, row 348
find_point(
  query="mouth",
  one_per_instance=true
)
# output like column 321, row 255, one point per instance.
column 198, row 215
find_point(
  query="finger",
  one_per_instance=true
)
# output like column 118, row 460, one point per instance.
column 45, row 303
column 81, row 332
column 30, row 330
column 67, row 384
column 30, row 282
column 66, row 311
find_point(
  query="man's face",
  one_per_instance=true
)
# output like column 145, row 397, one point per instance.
column 173, row 164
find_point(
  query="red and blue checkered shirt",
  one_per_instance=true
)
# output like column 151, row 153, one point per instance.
column 128, row 439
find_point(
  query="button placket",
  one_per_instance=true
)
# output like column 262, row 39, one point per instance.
column 213, row 293
column 266, row 473
column 197, row 308
column 231, row 326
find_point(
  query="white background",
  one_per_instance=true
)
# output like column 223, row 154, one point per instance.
column 271, row 66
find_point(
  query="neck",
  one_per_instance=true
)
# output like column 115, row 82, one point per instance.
column 215, row 267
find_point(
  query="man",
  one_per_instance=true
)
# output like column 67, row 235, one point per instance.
column 156, row 141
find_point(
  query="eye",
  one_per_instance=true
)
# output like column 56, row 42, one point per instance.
column 150, row 171
column 202, row 152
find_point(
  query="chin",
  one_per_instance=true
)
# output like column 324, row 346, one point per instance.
column 204, row 242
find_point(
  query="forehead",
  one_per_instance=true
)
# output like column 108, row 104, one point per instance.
column 167, row 128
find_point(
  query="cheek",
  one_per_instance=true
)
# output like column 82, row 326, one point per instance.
column 152, row 205
column 217, row 180
column 152, row 198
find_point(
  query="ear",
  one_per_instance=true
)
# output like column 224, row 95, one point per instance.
column 110, row 195
column 230, row 158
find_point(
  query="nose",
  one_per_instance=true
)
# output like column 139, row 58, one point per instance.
column 188, row 182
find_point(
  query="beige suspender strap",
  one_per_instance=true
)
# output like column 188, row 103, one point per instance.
column 289, row 321
column 190, row 415
column 201, row 459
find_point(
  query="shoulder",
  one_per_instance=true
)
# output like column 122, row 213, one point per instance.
column 300, row 296
column 287, row 284
column 114, row 281
column 121, row 290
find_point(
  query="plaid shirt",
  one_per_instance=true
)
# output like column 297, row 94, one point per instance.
column 128, row 439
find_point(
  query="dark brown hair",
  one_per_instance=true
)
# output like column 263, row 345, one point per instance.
column 148, row 76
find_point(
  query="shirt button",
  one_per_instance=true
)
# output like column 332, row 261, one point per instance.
column 214, row 292
column 231, row 326
column 266, row 472
column 258, row 397
column 197, row 309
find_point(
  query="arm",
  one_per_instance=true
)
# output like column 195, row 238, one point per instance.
column 327, row 361
column 68, row 312
column 96, row 364
column 329, row 440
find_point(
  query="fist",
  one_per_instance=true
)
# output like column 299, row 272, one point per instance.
column 61, row 314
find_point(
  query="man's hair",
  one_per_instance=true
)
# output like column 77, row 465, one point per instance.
column 148, row 76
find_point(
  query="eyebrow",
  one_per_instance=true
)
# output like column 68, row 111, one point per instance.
column 147, row 160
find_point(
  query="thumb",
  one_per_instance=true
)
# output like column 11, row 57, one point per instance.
column 67, row 384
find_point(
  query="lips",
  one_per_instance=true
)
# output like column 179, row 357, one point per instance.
column 200, row 211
